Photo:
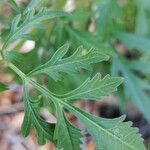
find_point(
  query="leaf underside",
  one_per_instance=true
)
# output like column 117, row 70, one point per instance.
column 109, row 134
column 112, row 134
column 67, row 135
column 43, row 129
column 31, row 20
column 80, row 59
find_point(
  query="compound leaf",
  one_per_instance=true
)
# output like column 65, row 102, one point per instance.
column 80, row 59
column 13, row 56
column 132, row 86
column 133, row 41
column 32, row 19
column 43, row 129
column 67, row 135
column 88, row 40
column 14, row 5
column 109, row 134
column 32, row 5
column 94, row 88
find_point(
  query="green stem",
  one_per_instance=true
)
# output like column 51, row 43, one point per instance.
column 32, row 82
column 40, row 88
column 18, row 71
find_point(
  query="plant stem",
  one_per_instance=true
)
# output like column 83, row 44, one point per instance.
column 39, row 87
column 32, row 82
column 42, row 89
column 45, row 91
column 17, row 71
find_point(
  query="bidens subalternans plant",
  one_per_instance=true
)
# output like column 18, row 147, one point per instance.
column 109, row 134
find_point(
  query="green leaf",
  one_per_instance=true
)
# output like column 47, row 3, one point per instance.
column 94, row 88
column 32, row 19
column 32, row 5
column 67, row 136
column 14, row 5
column 141, row 65
column 110, row 134
column 80, row 59
column 13, row 56
column 132, row 86
column 88, row 40
column 141, row 22
column 44, row 129
column 3, row 87
column 133, row 41
column 106, row 11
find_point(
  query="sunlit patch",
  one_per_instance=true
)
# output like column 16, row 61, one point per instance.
column 69, row 7
column 27, row 46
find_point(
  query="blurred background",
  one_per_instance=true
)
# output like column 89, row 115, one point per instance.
column 119, row 28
